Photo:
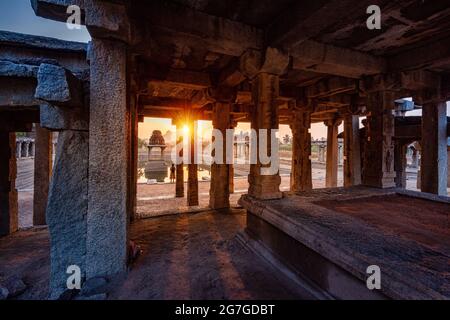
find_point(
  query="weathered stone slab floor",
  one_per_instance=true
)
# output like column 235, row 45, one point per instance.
column 195, row 256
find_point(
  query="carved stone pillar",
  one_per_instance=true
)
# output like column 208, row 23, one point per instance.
column 179, row 173
column 332, row 153
column 352, row 152
column 192, row 185
column 264, row 183
column 301, row 176
column 434, row 148
column 379, row 146
column 400, row 164
column 233, row 125
column 219, row 195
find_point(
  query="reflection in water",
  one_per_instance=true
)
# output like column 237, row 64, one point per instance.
column 164, row 176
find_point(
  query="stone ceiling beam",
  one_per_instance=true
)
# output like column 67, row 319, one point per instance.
column 306, row 19
column 323, row 58
column 17, row 92
column 434, row 55
column 217, row 34
column 194, row 80
column 330, row 87
column 162, row 102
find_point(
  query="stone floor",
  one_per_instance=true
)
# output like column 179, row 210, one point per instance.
column 204, row 261
column 188, row 256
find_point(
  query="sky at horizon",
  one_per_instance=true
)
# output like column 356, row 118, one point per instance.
column 18, row 16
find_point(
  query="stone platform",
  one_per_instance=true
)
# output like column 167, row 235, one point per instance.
column 331, row 236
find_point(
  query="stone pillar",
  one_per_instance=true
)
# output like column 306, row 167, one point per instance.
column 434, row 148
column 352, row 152
column 414, row 158
column 233, row 125
column 33, row 149
column 42, row 174
column 19, row 149
column 179, row 174
column 8, row 192
column 301, row 176
column 332, row 153
column 179, row 181
column 379, row 147
column 265, row 90
column 109, row 147
column 340, row 153
column 219, row 194
column 27, row 149
column 321, row 153
column 400, row 163
column 192, row 185
column 134, row 152
column 67, row 209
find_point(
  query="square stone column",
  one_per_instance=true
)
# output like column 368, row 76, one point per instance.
column 331, row 176
column 219, row 194
column 352, row 152
column 109, row 150
column 42, row 174
column 379, row 146
column 301, row 175
column 179, row 181
column 8, row 192
column 179, row 173
column 400, row 164
column 134, row 155
column 265, row 91
column 233, row 125
column 192, row 185
column 434, row 158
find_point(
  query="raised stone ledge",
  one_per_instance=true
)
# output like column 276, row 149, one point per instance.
column 411, row 268
column 38, row 42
